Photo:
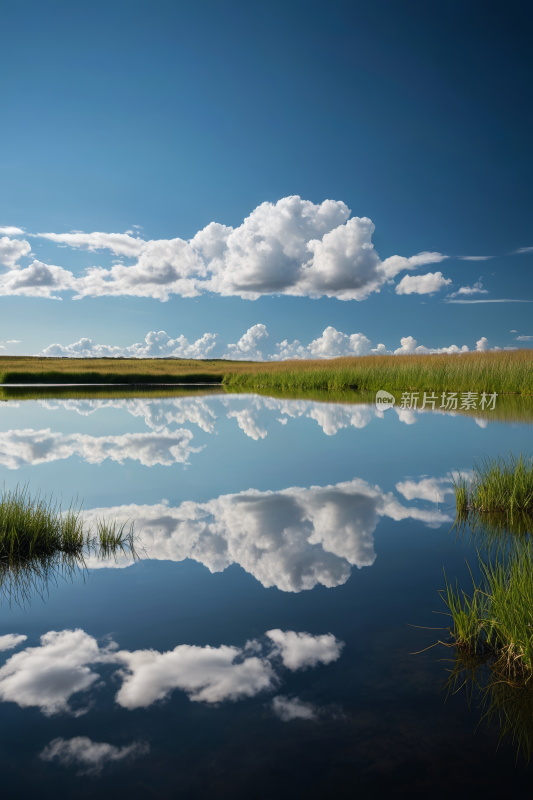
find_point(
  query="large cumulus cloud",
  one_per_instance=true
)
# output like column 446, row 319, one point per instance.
column 292, row 247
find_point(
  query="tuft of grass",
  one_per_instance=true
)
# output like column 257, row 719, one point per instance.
column 461, row 488
column 498, row 486
column 492, row 633
column 33, row 526
column 114, row 537
column 40, row 543
column 469, row 613
column 497, row 618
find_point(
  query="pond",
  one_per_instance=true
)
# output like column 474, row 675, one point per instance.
column 265, row 643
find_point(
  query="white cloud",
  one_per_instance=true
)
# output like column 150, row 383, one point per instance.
column 247, row 348
column 156, row 345
column 118, row 243
column 10, row 230
column 293, row 539
column 11, row 640
column 482, row 344
column 11, row 250
column 465, row 302
column 523, row 338
column 49, row 675
column 37, row 280
column 422, row 284
column 13, row 341
column 289, row 708
column 91, row 756
column 477, row 288
column 409, row 346
column 291, row 247
column 475, row 258
column 302, row 650
column 332, row 344
column 21, row 447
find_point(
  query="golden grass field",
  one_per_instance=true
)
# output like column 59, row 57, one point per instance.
column 500, row 371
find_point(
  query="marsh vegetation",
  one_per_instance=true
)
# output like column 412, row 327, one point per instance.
column 498, row 486
column 491, row 630
column 501, row 372
column 39, row 542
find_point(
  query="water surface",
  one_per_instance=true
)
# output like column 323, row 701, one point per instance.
column 262, row 646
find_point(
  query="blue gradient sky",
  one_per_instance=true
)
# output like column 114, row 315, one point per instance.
column 171, row 115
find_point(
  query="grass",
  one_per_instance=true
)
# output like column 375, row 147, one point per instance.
column 501, row 372
column 498, row 485
column 492, row 633
column 30, row 369
column 39, row 542
column 33, row 526
column 496, row 619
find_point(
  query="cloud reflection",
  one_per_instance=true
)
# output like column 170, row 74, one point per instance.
column 253, row 413
column 293, row 539
column 92, row 757
column 48, row 676
column 19, row 448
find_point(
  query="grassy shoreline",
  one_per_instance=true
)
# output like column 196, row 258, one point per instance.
column 498, row 485
column 504, row 372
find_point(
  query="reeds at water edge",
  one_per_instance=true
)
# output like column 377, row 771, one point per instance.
column 496, row 617
column 39, row 543
column 491, row 623
column 498, row 485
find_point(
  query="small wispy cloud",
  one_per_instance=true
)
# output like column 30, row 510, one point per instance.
column 503, row 300
column 477, row 288
column 10, row 230
column 522, row 250
column 523, row 338
column 475, row 258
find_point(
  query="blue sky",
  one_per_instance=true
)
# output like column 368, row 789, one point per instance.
column 174, row 115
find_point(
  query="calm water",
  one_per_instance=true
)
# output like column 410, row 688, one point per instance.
column 262, row 647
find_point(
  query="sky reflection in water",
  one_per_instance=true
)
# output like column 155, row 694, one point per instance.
column 253, row 513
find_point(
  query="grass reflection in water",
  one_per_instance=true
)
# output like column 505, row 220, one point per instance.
column 492, row 625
